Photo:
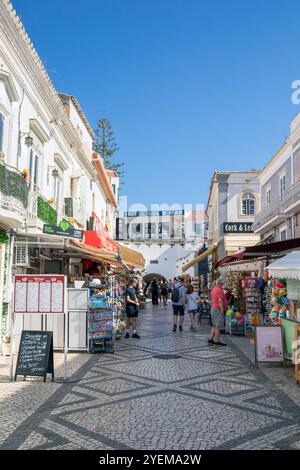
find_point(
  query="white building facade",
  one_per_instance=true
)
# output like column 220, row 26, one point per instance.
column 48, row 171
column 279, row 218
column 166, row 238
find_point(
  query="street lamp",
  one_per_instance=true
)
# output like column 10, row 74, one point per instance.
column 28, row 141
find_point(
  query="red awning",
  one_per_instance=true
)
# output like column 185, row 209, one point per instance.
column 100, row 239
column 230, row 259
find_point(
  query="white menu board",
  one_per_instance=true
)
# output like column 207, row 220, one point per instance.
column 20, row 297
column 32, row 297
column 57, row 297
column 41, row 293
column 45, row 297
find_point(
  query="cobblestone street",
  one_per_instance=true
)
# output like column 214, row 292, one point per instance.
column 164, row 391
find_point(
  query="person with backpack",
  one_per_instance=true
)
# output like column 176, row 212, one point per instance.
column 192, row 299
column 178, row 298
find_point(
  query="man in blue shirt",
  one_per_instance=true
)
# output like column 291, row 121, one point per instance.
column 178, row 298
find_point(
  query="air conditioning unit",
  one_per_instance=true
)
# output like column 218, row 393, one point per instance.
column 21, row 255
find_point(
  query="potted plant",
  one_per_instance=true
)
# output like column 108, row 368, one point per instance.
column 26, row 175
column 2, row 155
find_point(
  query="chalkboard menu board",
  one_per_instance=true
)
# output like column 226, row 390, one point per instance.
column 35, row 356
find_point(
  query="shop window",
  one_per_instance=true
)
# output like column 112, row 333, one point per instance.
column 248, row 204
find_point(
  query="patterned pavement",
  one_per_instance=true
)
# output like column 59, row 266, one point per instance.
column 164, row 391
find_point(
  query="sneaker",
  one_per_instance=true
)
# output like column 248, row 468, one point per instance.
column 136, row 335
column 174, row 328
column 127, row 336
column 219, row 343
column 210, row 341
column 180, row 328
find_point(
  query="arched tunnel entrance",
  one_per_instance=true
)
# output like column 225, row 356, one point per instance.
column 148, row 278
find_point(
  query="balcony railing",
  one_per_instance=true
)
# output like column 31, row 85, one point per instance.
column 279, row 207
column 13, row 190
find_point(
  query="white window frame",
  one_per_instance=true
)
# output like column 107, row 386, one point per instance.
column 34, row 185
column 58, row 193
column 268, row 195
column 2, row 134
column 243, row 198
column 282, row 189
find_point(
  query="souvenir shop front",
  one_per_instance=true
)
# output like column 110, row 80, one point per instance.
column 287, row 272
column 95, row 299
column 264, row 292
column 248, row 294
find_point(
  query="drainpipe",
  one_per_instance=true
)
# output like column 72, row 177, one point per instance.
column 9, row 285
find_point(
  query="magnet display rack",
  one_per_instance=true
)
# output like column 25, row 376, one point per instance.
column 100, row 320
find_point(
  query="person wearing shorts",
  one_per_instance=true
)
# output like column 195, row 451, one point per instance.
column 131, row 309
column 192, row 299
column 217, row 312
column 179, row 306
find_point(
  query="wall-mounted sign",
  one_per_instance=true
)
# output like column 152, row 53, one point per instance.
column 64, row 229
column 39, row 293
column 237, row 227
column 170, row 213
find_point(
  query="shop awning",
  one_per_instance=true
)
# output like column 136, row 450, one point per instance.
column 199, row 258
column 95, row 254
column 269, row 249
column 287, row 267
column 130, row 256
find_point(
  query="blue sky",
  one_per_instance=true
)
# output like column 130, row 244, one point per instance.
column 190, row 86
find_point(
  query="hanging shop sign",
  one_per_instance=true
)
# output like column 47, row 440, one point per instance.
column 35, row 355
column 39, row 294
column 268, row 344
column 237, row 227
column 64, row 229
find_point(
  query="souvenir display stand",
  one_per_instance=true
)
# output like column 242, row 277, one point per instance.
column 279, row 302
column 117, row 303
column 100, row 318
column 253, row 301
column 235, row 323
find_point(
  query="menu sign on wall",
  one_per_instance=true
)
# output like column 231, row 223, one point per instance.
column 39, row 293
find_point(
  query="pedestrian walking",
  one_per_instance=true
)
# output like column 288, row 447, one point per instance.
column 170, row 287
column 218, row 309
column 164, row 293
column 178, row 298
column 154, row 292
column 131, row 309
column 192, row 299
